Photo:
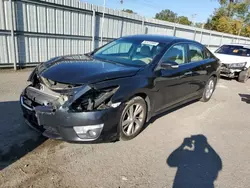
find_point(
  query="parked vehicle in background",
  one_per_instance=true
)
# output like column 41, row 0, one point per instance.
column 113, row 91
column 235, row 59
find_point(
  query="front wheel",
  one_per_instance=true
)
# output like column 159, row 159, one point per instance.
column 133, row 118
column 209, row 89
column 243, row 76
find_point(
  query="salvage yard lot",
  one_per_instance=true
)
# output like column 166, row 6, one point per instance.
column 29, row 160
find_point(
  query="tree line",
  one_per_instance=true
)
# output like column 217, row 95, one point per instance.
column 232, row 16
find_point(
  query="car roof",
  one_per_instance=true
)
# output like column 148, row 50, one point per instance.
column 158, row 38
column 243, row 45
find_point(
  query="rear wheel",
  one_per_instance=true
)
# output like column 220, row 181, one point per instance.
column 133, row 118
column 243, row 76
column 209, row 89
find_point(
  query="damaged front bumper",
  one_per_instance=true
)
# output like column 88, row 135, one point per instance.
column 51, row 115
column 226, row 71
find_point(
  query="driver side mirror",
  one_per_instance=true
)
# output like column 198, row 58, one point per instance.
column 169, row 65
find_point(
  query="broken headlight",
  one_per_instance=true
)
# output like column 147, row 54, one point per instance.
column 32, row 75
column 33, row 78
column 94, row 100
column 237, row 65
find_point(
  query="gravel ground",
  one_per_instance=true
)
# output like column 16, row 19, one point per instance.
column 29, row 160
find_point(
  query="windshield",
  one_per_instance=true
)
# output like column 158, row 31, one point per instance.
column 130, row 52
column 234, row 50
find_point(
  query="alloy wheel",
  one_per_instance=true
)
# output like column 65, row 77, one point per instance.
column 133, row 119
column 210, row 89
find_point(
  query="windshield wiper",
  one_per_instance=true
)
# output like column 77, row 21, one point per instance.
column 88, row 54
column 108, row 60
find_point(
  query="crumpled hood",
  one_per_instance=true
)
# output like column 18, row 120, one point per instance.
column 229, row 59
column 80, row 69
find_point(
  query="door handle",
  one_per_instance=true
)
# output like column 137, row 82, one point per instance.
column 188, row 73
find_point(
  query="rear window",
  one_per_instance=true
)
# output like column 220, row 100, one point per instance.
column 234, row 50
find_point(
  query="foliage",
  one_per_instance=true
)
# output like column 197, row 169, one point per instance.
column 167, row 15
column 199, row 25
column 184, row 20
column 129, row 11
column 223, row 25
column 232, row 17
column 246, row 31
column 170, row 16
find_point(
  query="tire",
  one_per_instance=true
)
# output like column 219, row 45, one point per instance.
column 243, row 76
column 131, row 123
column 209, row 89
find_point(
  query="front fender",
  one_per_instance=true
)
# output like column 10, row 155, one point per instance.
column 129, row 87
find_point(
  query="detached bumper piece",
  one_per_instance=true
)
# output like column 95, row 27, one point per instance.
column 54, row 120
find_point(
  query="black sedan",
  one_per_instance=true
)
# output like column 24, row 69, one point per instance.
column 112, row 92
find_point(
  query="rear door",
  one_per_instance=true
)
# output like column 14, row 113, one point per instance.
column 199, row 64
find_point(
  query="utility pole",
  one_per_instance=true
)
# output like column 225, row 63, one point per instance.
column 103, row 13
column 13, row 49
column 193, row 16
column 243, row 25
column 202, row 28
column 193, row 22
column 174, row 28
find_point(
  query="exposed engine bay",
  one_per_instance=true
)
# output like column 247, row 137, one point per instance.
column 76, row 98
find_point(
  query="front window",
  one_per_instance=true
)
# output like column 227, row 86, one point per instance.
column 130, row 52
column 175, row 54
column 234, row 50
